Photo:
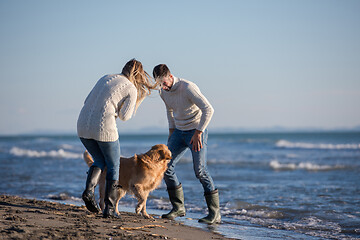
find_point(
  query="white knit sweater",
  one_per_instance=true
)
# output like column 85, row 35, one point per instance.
column 112, row 96
column 186, row 106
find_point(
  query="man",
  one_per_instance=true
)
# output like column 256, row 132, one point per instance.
column 188, row 113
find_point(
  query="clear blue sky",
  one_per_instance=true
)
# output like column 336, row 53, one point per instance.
column 260, row 63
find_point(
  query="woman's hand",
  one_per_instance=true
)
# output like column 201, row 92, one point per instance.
column 196, row 141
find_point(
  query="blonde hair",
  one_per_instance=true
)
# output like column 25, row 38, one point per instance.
column 134, row 71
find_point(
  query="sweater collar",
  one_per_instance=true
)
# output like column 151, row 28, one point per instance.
column 175, row 84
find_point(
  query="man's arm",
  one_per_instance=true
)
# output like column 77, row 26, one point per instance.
column 203, row 104
column 207, row 112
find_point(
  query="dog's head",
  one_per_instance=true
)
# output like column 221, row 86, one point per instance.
column 163, row 151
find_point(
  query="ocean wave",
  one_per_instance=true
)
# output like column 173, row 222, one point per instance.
column 62, row 197
column 303, row 145
column 262, row 214
column 237, row 208
column 164, row 204
column 309, row 225
column 19, row 152
column 67, row 146
column 304, row 166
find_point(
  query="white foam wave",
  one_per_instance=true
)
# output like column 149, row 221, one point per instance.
column 262, row 213
column 316, row 227
column 313, row 226
column 67, row 146
column 303, row 145
column 162, row 204
column 303, row 165
column 19, row 152
column 63, row 197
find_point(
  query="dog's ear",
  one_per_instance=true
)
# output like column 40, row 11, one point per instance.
column 165, row 155
column 156, row 147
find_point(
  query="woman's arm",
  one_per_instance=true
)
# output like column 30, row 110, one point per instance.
column 127, row 105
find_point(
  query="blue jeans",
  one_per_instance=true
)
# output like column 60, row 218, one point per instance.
column 178, row 143
column 105, row 154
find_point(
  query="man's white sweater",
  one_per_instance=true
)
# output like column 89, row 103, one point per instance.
column 113, row 96
column 186, row 106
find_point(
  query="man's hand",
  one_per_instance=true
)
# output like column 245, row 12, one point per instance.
column 196, row 141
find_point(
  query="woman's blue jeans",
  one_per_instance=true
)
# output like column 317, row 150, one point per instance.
column 105, row 154
column 178, row 143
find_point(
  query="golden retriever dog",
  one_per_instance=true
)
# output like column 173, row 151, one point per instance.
column 138, row 175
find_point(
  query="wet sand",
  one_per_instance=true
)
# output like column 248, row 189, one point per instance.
column 34, row 219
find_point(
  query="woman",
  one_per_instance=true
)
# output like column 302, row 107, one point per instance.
column 115, row 95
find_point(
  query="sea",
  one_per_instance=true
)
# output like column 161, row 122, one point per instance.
column 295, row 185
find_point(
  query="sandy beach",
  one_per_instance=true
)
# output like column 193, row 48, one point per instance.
column 33, row 219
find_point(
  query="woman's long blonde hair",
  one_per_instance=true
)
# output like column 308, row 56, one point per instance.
column 134, row 71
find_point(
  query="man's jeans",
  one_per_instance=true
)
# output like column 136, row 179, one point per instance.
column 178, row 143
column 105, row 154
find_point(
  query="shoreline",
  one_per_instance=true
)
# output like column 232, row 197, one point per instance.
column 37, row 219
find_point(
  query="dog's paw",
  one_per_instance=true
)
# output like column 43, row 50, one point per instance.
column 147, row 216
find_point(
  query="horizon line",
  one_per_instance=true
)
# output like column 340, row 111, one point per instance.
column 160, row 130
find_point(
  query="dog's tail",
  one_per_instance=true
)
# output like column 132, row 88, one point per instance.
column 88, row 159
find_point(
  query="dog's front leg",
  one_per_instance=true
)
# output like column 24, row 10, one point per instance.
column 122, row 193
column 141, row 196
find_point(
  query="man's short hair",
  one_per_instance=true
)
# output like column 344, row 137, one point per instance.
column 161, row 70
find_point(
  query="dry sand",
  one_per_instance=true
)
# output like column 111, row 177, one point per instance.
column 33, row 219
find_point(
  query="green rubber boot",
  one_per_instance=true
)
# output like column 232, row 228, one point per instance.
column 111, row 195
column 88, row 195
column 212, row 201
column 176, row 197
